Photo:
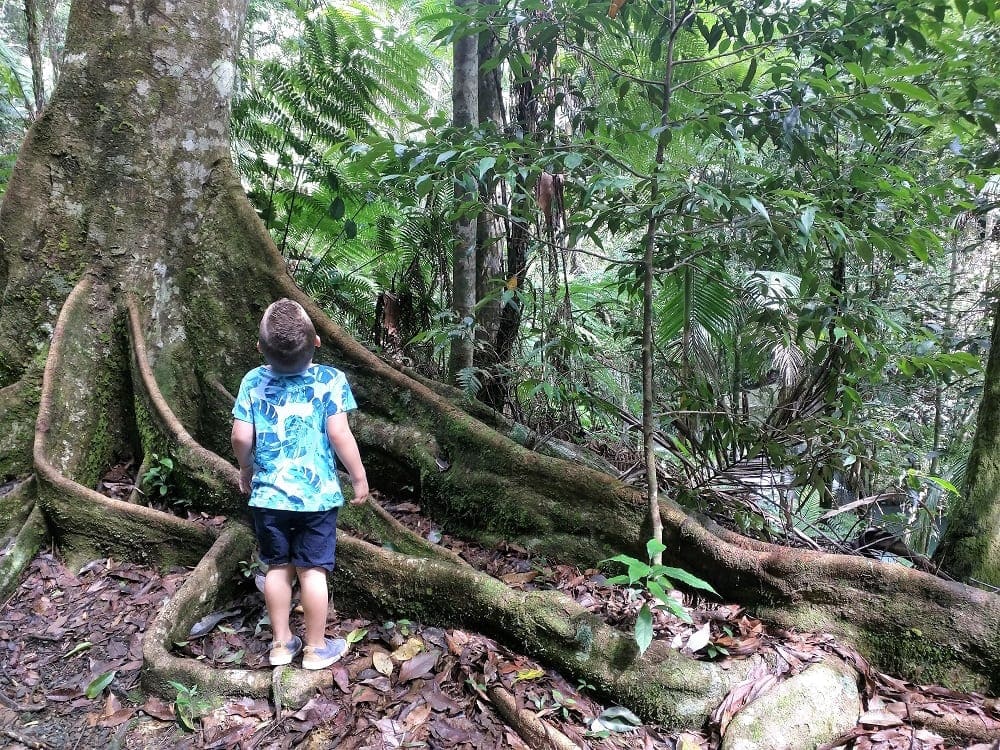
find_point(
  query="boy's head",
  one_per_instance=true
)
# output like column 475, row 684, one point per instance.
column 287, row 338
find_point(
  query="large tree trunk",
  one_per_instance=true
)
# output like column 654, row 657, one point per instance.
column 134, row 273
column 970, row 547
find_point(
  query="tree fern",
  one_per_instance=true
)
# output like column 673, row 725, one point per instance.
column 296, row 126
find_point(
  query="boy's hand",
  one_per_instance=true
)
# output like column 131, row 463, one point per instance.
column 361, row 491
column 246, row 475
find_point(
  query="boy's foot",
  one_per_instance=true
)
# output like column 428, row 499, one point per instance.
column 283, row 653
column 318, row 657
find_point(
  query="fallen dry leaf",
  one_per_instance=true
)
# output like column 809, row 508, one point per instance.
column 408, row 650
column 382, row 662
column 417, row 716
column 880, row 719
column 418, row 666
column 158, row 708
column 700, row 638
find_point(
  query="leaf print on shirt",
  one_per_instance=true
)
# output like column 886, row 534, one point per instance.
column 307, row 476
column 275, row 394
column 268, row 413
column 299, row 437
column 346, row 398
column 268, row 448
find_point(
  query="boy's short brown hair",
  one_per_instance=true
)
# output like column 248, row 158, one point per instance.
column 287, row 337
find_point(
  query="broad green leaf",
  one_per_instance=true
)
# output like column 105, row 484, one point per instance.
column 356, row 635
column 759, row 208
column 442, row 158
column 97, row 685
column 911, row 90
column 185, row 718
column 855, row 70
column 944, row 484
column 486, row 164
column 644, row 628
column 751, row 73
column 620, row 714
column 679, row 574
column 423, row 185
column 654, row 547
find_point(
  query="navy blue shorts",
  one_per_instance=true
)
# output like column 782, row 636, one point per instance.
column 306, row 540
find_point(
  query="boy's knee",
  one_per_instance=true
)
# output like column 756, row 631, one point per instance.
column 313, row 574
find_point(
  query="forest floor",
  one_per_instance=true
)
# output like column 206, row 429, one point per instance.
column 71, row 643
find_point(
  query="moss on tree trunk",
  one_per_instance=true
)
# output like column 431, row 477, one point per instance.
column 970, row 547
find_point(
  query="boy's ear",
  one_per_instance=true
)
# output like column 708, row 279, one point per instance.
column 318, row 342
column 258, row 346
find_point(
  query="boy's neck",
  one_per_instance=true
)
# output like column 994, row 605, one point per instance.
column 287, row 374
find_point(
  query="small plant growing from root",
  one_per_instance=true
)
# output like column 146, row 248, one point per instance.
column 188, row 705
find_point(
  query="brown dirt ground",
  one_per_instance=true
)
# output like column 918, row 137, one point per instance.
column 71, row 644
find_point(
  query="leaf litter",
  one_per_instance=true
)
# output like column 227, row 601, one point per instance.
column 72, row 654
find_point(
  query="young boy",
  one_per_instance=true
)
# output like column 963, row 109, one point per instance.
column 289, row 427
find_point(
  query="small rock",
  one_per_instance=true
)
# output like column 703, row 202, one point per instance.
column 805, row 711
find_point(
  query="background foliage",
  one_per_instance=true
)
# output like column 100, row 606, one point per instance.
column 824, row 218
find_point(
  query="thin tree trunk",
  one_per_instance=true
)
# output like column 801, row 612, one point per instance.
column 525, row 120
column 35, row 55
column 52, row 33
column 648, row 383
column 465, row 116
column 489, row 247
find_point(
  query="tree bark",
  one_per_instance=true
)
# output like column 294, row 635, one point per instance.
column 970, row 547
column 465, row 116
column 489, row 245
column 134, row 273
column 35, row 55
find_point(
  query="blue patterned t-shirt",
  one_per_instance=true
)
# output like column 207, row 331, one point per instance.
column 294, row 463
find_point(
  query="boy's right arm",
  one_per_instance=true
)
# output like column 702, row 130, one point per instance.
column 242, row 438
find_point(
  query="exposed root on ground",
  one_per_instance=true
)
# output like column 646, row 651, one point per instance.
column 536, row 732
column 661, row 685
column 21, row 550
column 216, row 476
column 83, row 519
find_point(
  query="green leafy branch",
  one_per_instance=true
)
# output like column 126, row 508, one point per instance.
column 657, row 580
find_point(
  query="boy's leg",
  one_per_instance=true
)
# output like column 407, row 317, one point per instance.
column 313, row 553
column 315, row 604
column 320, row 651
column 278, row 597
column 274, row 530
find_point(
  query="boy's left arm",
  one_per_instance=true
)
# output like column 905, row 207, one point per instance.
column 242, row 439
column 338, row 431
